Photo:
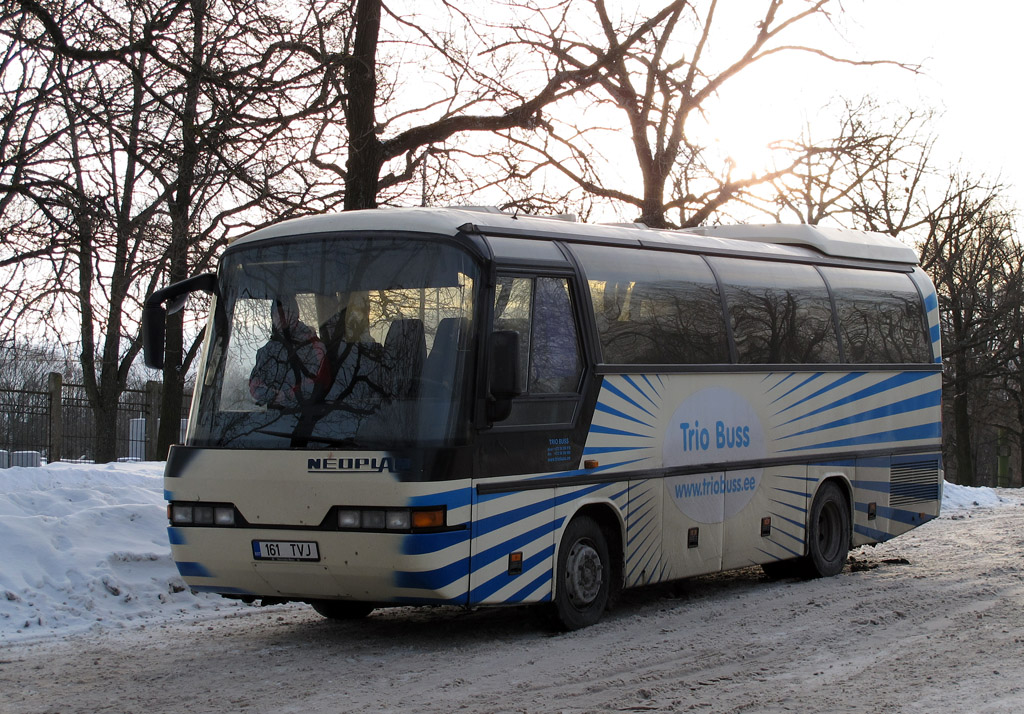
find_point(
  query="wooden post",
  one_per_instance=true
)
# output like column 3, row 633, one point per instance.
column 154, row 391
column 55, row 385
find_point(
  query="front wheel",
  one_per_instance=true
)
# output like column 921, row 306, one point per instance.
column 828, row 536
column 583, row 575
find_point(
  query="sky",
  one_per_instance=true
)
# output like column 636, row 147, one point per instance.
column 970, row 56
column 84, row 549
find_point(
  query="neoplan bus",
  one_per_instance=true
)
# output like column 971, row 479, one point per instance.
column 442, row 406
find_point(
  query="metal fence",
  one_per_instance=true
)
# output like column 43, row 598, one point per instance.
column 31, row 432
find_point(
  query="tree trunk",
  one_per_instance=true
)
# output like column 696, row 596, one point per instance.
column 365, row 151
column 962, row 424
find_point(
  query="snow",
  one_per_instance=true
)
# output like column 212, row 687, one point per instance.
column 84, row 548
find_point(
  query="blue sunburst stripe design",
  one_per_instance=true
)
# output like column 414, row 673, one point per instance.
column 873, row 534
column 798, row 387
column 795, row 507
column 911, row 433
column 800, row 494
column 601, row 407
column 626, row 398
column 642, row 523
column 597, row 429
column 457, row 498
column 798, row 524
column 845, row 379
column 653, row 388
column 900, row 515
column 629, row 380
column 592, row 450
column 543, row 580
column 878, row 486
column 176, row 536
column 780, row 382
column 192, row 569
column 489, row 588
column 426, row 543
column 641, row 560
column 904, row 406
column 891, row 383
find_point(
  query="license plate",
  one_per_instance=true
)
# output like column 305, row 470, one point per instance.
column 285, row 550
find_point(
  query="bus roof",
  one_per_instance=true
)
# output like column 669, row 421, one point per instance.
column 780, row 240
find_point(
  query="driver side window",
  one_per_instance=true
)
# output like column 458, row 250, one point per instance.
column 540, row 310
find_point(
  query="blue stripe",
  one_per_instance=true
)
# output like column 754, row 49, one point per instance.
column 910, row 433
column 894, row 382
column 591, row 450
column 501, row 550
column 622, row 395
column 931, row 302
column 532, row 588
column 423, row 543
column 433, row 579
column 803, row 383
column 801, row 509
column 780, row 382
column 653, row 388
column 452, row 499
column 485, row 590
column 873, row 534
column 878, row 486
column 834, row 385
column 798, row 524
column 506, row 518
column 629, row 381
column 911, row 518
column 168, row 495
column 935, row 333
column 911, row 404
column 597, row 429
column 616, row 413
column 191, row 569
column 176, row 536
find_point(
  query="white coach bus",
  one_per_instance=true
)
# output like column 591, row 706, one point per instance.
column 454, row 406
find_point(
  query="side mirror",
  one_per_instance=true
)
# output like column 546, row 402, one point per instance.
column 503, row 374
column 163, row 302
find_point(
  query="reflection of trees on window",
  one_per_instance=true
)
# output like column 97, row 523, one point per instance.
column 540, row 310
column 389, row 325
column 654, row 307
column 881, row 318
column 780, row 312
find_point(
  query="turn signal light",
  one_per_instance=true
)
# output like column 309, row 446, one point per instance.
column 432, row 518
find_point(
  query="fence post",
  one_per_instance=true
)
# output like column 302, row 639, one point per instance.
column 154, row 392
column 55, row 386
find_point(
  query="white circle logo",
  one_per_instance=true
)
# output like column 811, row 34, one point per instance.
column 714, row 426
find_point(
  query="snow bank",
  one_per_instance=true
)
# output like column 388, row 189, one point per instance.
column 85, row 547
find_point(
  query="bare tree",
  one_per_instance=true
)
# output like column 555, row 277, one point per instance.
column 659, row 84
column 970, row 251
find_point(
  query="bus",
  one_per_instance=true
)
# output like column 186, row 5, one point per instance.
column 466, row 407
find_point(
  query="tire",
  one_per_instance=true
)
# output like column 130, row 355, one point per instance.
column 342, row 609
column 583, row 575
column 828, row 533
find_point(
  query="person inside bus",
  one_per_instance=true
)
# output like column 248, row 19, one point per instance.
column 291, row 366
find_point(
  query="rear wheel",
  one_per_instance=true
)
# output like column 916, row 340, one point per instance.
column 828, row 535
column 342, row 609
column 583, row 575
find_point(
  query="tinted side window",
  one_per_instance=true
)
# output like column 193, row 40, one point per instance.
column 540, row 310
column 880, row 316
column 654, row 307
column 780, row 312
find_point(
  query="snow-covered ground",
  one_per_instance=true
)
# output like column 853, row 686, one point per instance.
column 93, row 617
column 84, row 547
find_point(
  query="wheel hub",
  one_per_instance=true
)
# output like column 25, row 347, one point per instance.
column 583, row 574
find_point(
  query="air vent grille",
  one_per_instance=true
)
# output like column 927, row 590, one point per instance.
column 914, row 482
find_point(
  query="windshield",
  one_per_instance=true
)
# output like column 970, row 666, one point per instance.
column 338, row 342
